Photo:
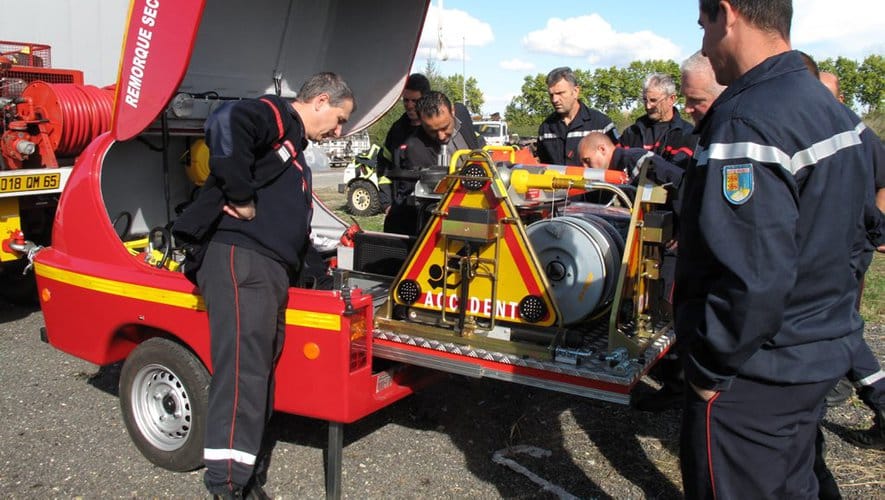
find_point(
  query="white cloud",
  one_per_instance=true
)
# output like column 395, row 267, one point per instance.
column 853, row 28
column 593, row 38
column 516, row 64
column 457, row 29
column 498, row 102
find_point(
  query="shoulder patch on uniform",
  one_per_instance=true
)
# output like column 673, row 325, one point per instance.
column 737, row 183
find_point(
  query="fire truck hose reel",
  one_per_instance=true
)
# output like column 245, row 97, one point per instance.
column 76, row 114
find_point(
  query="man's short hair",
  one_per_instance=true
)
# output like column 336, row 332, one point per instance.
column 561, row 73
column 326, row 83
column 768, row 15
column 699, row 63
column 661, row 81
column 696, row 62
column 594, row 139
column 809, row 63
column 432, row 103
column 418, row 82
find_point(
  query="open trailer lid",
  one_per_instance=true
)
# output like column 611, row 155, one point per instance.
column 235, row 48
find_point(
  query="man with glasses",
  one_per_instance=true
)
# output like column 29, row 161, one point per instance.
column 661, row 129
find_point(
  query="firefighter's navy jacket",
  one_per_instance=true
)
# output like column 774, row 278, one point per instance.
column 257, row 153
column 420, row 151
column 629, row 160
column 770, row 212
column 673, row 140
column 558, row 142
column 396, row 137
column 873, row 224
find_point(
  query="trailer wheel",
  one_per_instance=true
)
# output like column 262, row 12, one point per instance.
column 362, row 198
column 164, row 392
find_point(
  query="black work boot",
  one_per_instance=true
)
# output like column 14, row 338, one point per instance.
column 256, row 492
column 235, row 494
column 872, row 438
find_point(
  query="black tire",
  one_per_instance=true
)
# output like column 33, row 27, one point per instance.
column 362, row 198
column 164, row 394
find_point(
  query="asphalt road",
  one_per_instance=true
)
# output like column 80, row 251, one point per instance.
column 327, row 178
column 63, row 437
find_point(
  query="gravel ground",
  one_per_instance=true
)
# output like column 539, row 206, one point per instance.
column 63, row 437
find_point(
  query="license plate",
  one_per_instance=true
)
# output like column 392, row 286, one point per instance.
column 30, row 182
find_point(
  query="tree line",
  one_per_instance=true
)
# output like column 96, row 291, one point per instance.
column 617, row 92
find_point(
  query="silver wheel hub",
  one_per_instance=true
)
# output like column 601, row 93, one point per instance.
column 161, row 407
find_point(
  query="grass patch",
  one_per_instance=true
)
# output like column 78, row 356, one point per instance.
column 872, row 305
column 336, row 201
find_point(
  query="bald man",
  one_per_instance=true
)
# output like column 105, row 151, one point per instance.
column 831, row 82
column 597, row 150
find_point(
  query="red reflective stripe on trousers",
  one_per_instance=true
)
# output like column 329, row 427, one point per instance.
column 710, row 443
column 233, row 420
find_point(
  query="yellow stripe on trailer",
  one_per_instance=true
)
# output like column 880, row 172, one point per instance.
column 294, row 317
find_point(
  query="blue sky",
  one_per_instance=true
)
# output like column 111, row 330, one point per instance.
column 505, row 41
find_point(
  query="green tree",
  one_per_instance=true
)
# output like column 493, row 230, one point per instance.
column 609, row 90
column 378, row 130
column 530, row 106
column 849, row 79
column 871, row 82
column 453, row 87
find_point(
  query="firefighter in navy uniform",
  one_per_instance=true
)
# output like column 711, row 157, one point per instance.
column 560, row 133
column 257, row 160
column 445, row 128
column 661, row 130
column 598, row 151
column 416, row 86
column 765, row 290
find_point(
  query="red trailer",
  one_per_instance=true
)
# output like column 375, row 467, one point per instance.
column 508, row 280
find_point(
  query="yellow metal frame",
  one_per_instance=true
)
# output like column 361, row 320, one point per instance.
column 640, row 265
column 496, row 262
column 10, row 221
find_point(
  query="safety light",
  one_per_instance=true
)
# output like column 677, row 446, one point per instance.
column 408, row 291
column 473, row 170
column 532, row 308
column 359, row 353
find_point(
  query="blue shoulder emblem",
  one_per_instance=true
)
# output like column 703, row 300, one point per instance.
column 737, row 183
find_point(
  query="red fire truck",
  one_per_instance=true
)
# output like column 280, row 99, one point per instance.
column 47, row 117
column 509, row 278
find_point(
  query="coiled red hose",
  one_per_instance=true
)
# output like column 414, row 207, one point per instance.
column 77, row 113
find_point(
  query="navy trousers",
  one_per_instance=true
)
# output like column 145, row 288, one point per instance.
column 755, row 440
column 245, row 294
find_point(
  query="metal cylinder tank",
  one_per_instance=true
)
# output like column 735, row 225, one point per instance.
column 581, row 256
